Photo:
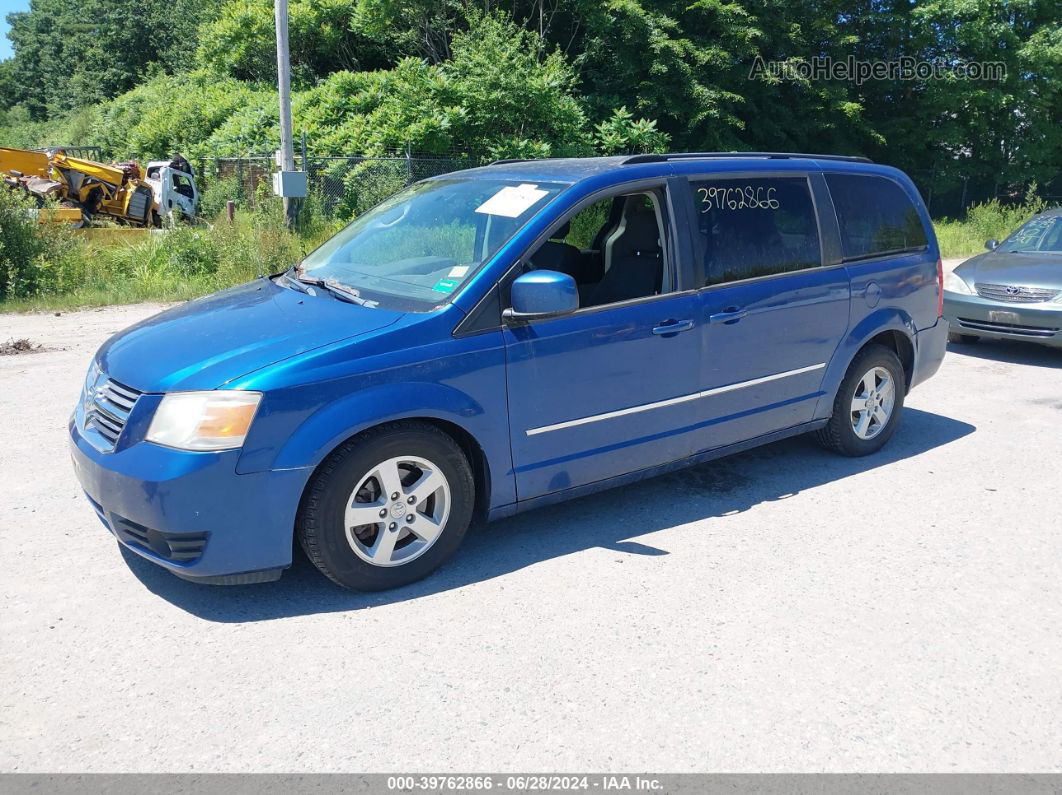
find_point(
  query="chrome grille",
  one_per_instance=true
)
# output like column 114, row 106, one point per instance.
column 107, row 409
column 1016, row 295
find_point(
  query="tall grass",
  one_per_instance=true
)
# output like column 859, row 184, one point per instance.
column 984, row 222
column 33, row 258
column 62, row 269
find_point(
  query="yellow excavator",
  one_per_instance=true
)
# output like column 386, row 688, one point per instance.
column 85, row 189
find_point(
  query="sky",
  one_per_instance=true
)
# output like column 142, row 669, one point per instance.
column 6, row 7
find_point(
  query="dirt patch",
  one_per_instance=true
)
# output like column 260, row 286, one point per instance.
column 15, row 347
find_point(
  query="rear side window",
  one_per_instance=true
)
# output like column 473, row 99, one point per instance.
column 875, row 215
column 755, row 227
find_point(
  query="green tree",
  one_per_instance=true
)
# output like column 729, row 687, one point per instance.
column 422, row 28
column 324, row 37
column 177, row 114
column 537, row 77
column 969, row 136
column 623, row 134
column 70, row 55
column 9, row 92
column 996, row 132
column 494, row 96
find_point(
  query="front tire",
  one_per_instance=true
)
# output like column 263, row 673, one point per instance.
column 388, row 507
column 867, row 407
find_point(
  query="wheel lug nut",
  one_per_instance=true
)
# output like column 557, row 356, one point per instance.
column 393, row 526
column 409, row 518
column 383, row 512
column 411, row 500
column 394, row 496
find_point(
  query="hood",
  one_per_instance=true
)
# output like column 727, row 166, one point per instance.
column 1022, row 270
column 206, row 342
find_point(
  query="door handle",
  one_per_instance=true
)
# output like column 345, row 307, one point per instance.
column 671, row 327
column 729, row 315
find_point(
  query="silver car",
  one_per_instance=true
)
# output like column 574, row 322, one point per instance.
column 1014, row 290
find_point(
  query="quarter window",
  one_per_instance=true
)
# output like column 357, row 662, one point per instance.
column 875, row 215
column 755, row 227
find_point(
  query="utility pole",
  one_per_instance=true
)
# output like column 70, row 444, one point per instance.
column 289, row 184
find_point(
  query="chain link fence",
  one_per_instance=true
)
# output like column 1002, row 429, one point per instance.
column 338, row 187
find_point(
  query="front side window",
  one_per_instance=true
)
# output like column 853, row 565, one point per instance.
column 423, row 244
column 614, row 249
column 875, row 215
column 183, row 186
column 751, row 227
column 1042, row 235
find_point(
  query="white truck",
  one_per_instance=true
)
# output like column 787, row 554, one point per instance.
column 174, row 188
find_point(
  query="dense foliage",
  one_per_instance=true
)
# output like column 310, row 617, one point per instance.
column 32, row 260
column 70, row 55
column 42, row 265
column 537, row 77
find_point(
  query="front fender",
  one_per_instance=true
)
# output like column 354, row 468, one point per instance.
column 331, row 425
column 883, row 319
column 328, row 427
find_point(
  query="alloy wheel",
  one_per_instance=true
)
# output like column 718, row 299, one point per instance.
column 873, row 403
column 397, row 511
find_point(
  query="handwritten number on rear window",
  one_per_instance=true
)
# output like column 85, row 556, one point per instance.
column 740, row 198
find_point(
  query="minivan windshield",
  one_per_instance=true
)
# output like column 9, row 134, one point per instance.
column 422, row 244
column 1041, row 235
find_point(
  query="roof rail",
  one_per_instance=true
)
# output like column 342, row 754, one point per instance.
column 769, row 155
column 505, row 160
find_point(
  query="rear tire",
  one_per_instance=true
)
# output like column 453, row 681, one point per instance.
column 962, row 339
column 388, row 507
column 867, row 407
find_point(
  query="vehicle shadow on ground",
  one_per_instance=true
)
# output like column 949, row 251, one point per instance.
column 609, row 519
column 1009, row 352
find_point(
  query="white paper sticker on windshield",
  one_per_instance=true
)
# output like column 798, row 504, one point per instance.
column 457, row 271
column 512, row 202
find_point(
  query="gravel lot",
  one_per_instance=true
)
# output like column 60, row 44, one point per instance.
column 781, row 610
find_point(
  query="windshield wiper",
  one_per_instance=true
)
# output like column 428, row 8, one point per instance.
column 339, row 290
column 344, row 292
column 295, row 284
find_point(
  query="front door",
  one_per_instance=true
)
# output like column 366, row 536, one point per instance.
column 610, row 388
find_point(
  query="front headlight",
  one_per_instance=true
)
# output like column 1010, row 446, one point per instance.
column 91, row 377
column 954, row 283
column 204, row 420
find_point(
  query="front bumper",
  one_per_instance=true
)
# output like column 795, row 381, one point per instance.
column 191, row 512
column 983, row 317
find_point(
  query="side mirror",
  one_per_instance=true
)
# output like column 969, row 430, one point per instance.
column 992, row 245
column 542, row 294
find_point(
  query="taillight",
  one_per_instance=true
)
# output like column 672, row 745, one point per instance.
column 940, row 288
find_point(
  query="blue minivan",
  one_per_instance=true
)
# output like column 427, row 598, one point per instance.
column 505, row 337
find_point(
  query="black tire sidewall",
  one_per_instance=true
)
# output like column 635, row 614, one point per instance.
column 340, row 562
